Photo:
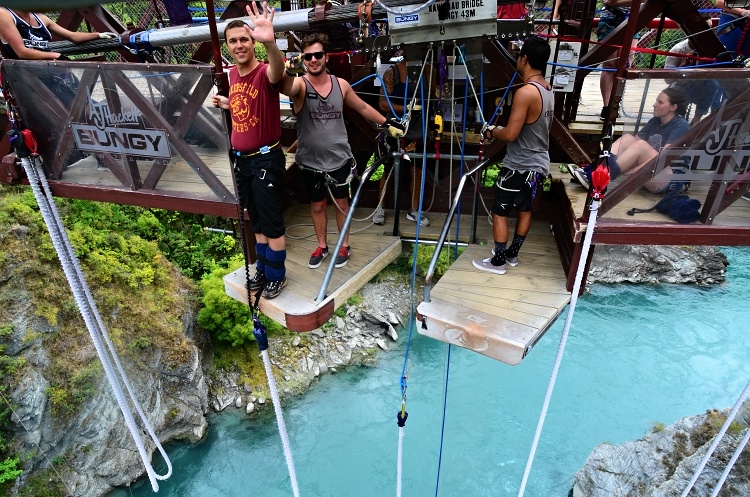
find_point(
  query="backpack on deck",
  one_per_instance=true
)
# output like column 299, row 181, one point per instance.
column 677, row 205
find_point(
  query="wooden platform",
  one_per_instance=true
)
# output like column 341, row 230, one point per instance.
column 500, row 316
column 295, row 308
column 736, row 215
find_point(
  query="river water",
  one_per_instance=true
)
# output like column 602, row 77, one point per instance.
column 636, row 355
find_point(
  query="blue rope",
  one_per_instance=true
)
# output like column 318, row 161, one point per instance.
column 442, row 426
column 402, row 381
column 382, row 85
column 507, row 89
column 458, row 224
column 701, row 66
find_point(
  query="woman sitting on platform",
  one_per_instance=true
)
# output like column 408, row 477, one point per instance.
column 631, row 152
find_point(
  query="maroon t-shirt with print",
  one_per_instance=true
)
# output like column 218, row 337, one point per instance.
column 255, row 108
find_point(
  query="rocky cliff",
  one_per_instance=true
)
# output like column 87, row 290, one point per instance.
column 662, row 463
column 697, row 265
column 66, row 424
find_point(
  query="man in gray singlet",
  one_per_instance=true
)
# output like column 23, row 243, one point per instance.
column 323, row 152
column 526, row 160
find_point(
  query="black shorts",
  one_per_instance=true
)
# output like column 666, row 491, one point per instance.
column 514, row 189
column 260, row 183
column 317, row 183
column 608, row 21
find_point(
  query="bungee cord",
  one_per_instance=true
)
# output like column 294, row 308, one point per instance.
column 730, row 417
column 599, row 183
column 730, row 464
column 89, row 312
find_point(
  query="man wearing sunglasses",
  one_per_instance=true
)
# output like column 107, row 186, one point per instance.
column 256, row 130
column 323, row 152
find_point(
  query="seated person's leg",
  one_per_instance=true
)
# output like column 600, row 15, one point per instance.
column 634, row 156
column 623, row 142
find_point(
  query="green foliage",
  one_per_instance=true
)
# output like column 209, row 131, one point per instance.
column 9, row 470
column 8, row 367
column 43, row 484
column 446, row 258
column 67, row 392
column 179, row 236
column 658, row 427
column 227, row 319
column 140, row 343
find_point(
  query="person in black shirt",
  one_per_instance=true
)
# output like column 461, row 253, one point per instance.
column 26, row 36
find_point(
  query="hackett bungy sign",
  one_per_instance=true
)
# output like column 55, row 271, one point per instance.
column 119, row 133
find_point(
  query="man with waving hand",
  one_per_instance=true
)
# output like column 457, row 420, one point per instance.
column 256, row 130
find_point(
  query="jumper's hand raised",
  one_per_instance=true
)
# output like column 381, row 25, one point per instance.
column 262, row 29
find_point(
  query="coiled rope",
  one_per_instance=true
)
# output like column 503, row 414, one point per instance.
column 92, row 318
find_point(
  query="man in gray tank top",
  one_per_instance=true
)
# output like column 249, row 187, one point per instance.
column 526, row 160
column 323, row 152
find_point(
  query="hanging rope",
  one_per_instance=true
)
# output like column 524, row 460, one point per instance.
column 599, row 180
column 402, row 414
column 260, row 335
column 731, row 462
column 717, row 439
column 25, row 147
column 442, row 423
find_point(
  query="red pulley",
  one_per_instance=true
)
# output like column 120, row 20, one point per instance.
column 600, row 179
column 29, row 141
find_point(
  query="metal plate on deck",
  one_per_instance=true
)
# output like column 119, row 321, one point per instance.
column 477, row 331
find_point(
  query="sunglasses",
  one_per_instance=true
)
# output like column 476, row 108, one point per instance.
column 318, row 55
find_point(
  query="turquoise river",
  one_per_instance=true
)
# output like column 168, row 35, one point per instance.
column 636, row 355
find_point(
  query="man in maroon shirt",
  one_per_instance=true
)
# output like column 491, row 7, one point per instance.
column 256, row 129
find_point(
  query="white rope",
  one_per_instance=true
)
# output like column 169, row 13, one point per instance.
column 399, row 463
column 563, row 339
column 280, row 421
column 94, row 309
column 731, row 462
column 716, row 441
column 85, row 303
column 471, row 85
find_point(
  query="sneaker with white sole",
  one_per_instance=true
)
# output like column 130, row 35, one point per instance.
column 273, row 288
column 378, row 217
column 582, row 177
column 343, row 256
column 412, row 216
column 486, row 265
column 511, row 261
column 746, row 196
column 316, row 258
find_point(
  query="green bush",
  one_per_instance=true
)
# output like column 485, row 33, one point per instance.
column 446, row 258
column 9, row 470
column 227, row 319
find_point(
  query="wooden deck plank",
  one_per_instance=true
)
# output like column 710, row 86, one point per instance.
column 295, row 307
column 500, row 316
